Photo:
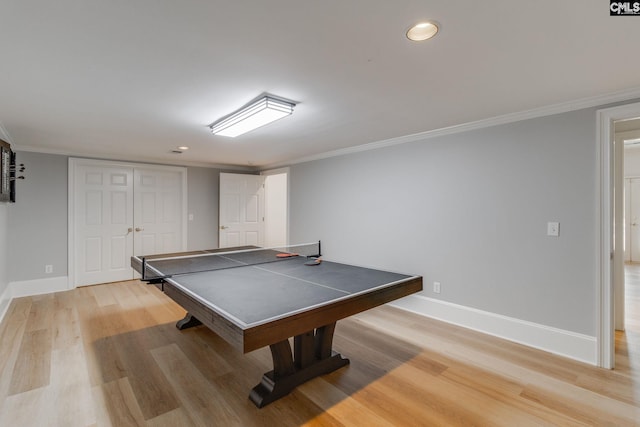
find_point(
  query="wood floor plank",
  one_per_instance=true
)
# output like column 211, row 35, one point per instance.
column 199, row 397
column 177, row 417
column 154, row 393
column 32, row 408
column 442, row 396
column 32, row 370
column 103, row 295
column 293, row 411
column 66, row 328
column 100, row 327
column 495, row 388
column 116, row 405
column 383, row 351
column 71, row 388
column 11, row 335
column 341, row 406
column 412, row 406
column 197, row 349
column 41, row 312
column 611, row 384
column 584, row 406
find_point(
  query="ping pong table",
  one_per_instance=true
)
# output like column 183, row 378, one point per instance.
column 254, row 297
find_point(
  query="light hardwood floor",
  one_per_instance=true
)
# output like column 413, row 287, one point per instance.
column 110, row 355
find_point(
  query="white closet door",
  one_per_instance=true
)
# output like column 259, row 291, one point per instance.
column 158, row 211
column 103, row 218
column 118, row 210
column 634, row 219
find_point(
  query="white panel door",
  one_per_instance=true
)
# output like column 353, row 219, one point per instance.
column 103, row 216
column 276, row 210
column 627, row 220
column 158, row 211
column 634, row 219
column 118, row 210
column 241, row 210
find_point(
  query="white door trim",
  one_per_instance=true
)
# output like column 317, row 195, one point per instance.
column 74, row 163
column 606, row 256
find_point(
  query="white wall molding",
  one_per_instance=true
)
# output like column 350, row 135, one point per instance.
column 27, row 288
column 569, row 344
column 5, row 300
column 138, row 159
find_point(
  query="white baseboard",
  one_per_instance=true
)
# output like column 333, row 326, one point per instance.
column 31, row 287
column 565, row 343
column 27, row 288
column 5, row 300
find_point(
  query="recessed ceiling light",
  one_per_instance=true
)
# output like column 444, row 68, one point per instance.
column 183, row 147
column 422, row 31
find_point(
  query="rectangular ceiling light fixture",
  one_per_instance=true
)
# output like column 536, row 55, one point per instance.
column 265, row 110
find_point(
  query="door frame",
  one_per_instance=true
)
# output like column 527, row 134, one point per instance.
column 75, row 162
column 607, row 255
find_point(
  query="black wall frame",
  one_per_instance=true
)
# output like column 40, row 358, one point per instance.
column 7, row 173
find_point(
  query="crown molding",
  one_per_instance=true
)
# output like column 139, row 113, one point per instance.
column 140, row 159
column 549, row 110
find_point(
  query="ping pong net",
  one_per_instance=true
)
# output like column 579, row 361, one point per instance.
column 158, row 267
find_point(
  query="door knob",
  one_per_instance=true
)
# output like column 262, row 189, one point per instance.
column 129, row 230
column 139, row 228
column 223, row 227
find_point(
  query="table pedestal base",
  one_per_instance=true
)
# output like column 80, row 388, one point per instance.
column 188, row 322
column 312, row 357
column 271, row 389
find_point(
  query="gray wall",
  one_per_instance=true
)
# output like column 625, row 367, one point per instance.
column 4, row 247
column 204, row 186
column 469, row 210
column 37, row 222
column 38, row 219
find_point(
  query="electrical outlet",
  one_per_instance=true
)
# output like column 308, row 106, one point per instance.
column 436, row 287
column 48, row 268
column 553, row 229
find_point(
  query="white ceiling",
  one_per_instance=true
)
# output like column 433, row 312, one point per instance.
column 134, row 79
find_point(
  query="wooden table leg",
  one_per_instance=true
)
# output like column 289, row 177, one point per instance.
column 312, row 357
